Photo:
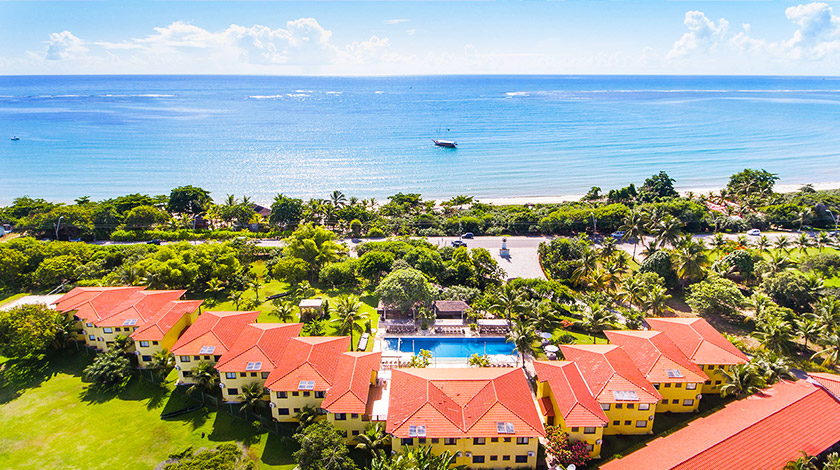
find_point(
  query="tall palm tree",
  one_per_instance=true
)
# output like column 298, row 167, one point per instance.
column 808, row 327
column 306, row 416
column 831, row 349
column 338, row 199
column 743, row 241
column 236, row 298
column 827, row 311
column 252, row 397
column 507, row 302
column 283, row 310
column 256, row 283
column 633, row 291
column 761, row 304
column 595, row 317
column 371, row 440
column 215, row 285
column 543, row 316
column 774, row 333
column 655, row 300
column 668, row 230
column 634, row 229
column 608, row 249
column 803, row 243
column 205, row 377
column 772, row 367
column 348, row 310
column 778, row 262
column 741, row 380
column 801, row 216
column 522, row 335
column 762, row 244
column 691, row 259
column 823, row 240
column 782, row 244
column 163, row 361
column 718, row 243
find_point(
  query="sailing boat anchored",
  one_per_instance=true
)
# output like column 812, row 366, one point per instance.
column 451, row 144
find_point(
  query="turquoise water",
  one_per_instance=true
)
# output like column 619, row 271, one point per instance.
column 451, row 347
column 370, row 137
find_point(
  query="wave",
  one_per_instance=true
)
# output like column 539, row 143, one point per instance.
column 140, row 95
column 265, row 97
column 298, row 95
column 304, row 91
column 511, row 94
column 334, row 92
column 378, row 92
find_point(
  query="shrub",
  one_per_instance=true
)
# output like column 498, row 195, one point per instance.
column 660, row 263
column 715, row 295
column 788, row 289
column 339, row 274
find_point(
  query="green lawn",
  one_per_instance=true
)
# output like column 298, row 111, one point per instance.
column 51, row 420
column 12, row 298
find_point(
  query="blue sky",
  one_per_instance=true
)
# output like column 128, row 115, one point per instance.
column 425, row 37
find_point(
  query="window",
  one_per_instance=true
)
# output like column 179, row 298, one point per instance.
column 207, row 350
column 503, row 427
column 283, row 411
column 297, row 410
column 656, row 386
column 478, row 441
column 422, row 440
column 253, row 366
column 522, row 440
column 589, row 430
column 642, row 423
column 478, row 459
column 494, row 439
column 197, row 358
column 668, row 385
column 407, row 441
column 673, row 373
column 507, row 439
column 575, row 429
column 708, row 382
column 691, row 386
column 644, row 406
column 688, row 402
column 184, row 358
column 117, row 329
column 449, row 441
column 264, row 375
column 605, row 406
column 521, row 459
column 629, row 406
column 306, row 385
column 306, row 394
column 92, row 338
column 107, row 330
column 675, row 401
column 717, row 382
column 506, row 457
column 435, row 440
column 146, row 358
column 187, row 373
column 215, row 358
column 494, row 458
column 619, row 406
column 282, row 395
column 243, row 374
column 233, row 391
column 88, row 324
column 589, row 447
column 319, row 394
column 354, row 415
column 144, row 344
column 616, row 423
column 206, row 358
column 253, row 374
column 230, row 375
column 711, row 367
column 628, row 423
column 679, row 385
column 295, row 394
column 355, row 433
column 341, row 416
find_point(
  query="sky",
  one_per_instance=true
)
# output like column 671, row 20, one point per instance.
column 726, row 37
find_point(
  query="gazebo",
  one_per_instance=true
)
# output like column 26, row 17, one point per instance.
column 314, row 307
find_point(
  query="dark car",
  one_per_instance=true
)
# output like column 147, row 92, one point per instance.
column 468, row 235
column 153, row 242
column 458, row 243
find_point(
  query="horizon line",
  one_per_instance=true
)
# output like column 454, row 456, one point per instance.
column 419, row 75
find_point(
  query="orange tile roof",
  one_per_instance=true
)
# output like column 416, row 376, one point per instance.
column 574, row 399
column 215, row 329
column 606, row 368
column 763, row 431
column 462, row 403
column 698, row 340
column 654, row 354
column 157, row 327
column 309, row 358
column 351, row 385
column 830, row 382
column 140, row 307
column 258, row 342
column 92, row 304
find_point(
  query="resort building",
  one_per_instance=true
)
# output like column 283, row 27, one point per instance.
column 663, row 364
column 763, row 431
column 703, row 345
column 565, row 400
column 207, row 340
column 254, row 354
column 349, row 403
column 486, row 417
column 87, row 305
column 450, row 309
column 161, row 332
column 628, row 400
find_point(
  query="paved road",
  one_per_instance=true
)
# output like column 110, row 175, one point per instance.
column 31, row 300
column 523, row 261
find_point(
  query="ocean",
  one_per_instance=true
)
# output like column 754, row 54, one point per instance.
column 518, row 136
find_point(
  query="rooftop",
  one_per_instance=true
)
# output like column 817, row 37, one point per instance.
column 216, row 330
column 451, row 305
column 309, row 359
column 574, row 399
column 698, row 340
column 351, row 384
column 157, row 327
column 610, row 373
column 258, row 343
column 656, row 356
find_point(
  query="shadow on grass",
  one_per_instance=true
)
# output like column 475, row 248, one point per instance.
column 228, row 428
column 21, row 374
column 178, row 400
column 279, row 448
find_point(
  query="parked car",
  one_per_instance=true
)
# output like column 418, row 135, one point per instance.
column 153, row 242
column 618, row 234
column 458, row 243
column 468, row 235
column 754, row 232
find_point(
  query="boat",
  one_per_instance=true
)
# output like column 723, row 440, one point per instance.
column 445, row 143
column 15, row 138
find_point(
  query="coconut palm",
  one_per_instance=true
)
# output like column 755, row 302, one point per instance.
column 827, row 311
column 371, row 440
column 215, row 285
column 543, row 316
column 741, row 380
column 803, row 243
column 586, row 264
column 761, row 304
column 778, row 262
column 348, row 311
column 252, row 397
column 634, row 229
column 743, row 241
column 507, row 302
column 633, row 291
column 718, row 243
column 691, row 259
column 205, row 378
column 667, row 231
column 236, row 298
column 608, row 249
column 338, row 199
column 522, row 335
column 595, row 317
column 306, row 416
column 256, row 283
column 762, row 244
column 283, row 310
column 655, row 301
column 772, row 367
column 782, row 244
column 808, row 327
column 802, row 216
column 163, row 360
column 823, row 240
column 804, row 462
column 831, row 349
column 774, row 333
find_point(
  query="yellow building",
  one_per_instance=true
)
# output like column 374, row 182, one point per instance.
column 350, row 398
column 206, row 340
column 628, row 400
column 162, row 331
column 566, row 401
column 663, row 364
column 703, row 345
column 486, row 417
column 254, row 354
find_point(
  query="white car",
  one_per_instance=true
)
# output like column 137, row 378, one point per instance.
column 754, row 232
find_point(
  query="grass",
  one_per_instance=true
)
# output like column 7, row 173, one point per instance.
column 12, row 298
column 51, row 419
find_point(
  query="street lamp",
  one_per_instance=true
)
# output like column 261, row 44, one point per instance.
column 57, row 225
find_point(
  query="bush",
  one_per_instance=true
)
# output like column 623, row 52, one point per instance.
column 227, row 456
column 742, row 261
column 560, row 255
column 431, row 232
column 827, row 264
column 715, row 295
column 28, row 329
column 108, row 369
column 660, row 263
column 339, row 274
column 376, row 232
column 788, row 289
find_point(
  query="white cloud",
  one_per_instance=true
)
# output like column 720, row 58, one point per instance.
column 63, row 46
column 703, row 35
column 817, row 36
column 396, row 21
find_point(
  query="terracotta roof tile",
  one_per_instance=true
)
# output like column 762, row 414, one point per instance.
column 606, row 368
column 351, row 385
column 158, row 326
column 308, row 358
column 763, row 431
column 258, row 342
column 216, row 329
column 94, row 303
column 575, row 401
column 140, row 307
column 698, row 340
column 462, row 402
column 654, row 354
column 830, row 382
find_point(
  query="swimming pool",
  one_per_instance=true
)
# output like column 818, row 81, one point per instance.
column 451, row 347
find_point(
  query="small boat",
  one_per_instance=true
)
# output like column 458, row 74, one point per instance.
column 445, row 143
column 15, row 138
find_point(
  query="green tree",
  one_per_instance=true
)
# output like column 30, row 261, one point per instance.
column 286, row 211
column 252, row 397
column 690, row 259
column 228, row 456
column 283, row 310
column 188, row 200
column 804, row 462
column 108, row 369
column 657, row 188
column 595, row 317
column 29, row 329
column 477, row 360
column 563, row 451
column 751, row 183
column 315, row 245
column 634, row 229
column 775, row 334
column 507, row 302
column 404, row 288
column 715, row 295
column 831, row 349
column 144, row 218
column 348, row 315
column 322, row 447
column 523, row 336
column 789, row 289
column 371, row 440
column 205, row 378
column 373, row 263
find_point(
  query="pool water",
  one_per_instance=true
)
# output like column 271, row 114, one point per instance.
column 451, row 347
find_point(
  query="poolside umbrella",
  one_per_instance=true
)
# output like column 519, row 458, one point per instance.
column 551, row 348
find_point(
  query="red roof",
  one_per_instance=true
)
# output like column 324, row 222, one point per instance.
column 608, row 371
column 94, row 303
column 461, row 403
column 156, row 328
column 213, row 329
column 656, row 356
column 309, row 358
column 258, row 342
column 351, row 385
column 575, row 401
column 139, row 308
column 763, row 431
column 698, row 340
column 830, row 382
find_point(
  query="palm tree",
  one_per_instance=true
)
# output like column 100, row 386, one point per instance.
column 782, row 244
column 803, row 242
column 774, row 333
column 252, row 397
column 743, row 241
column 215, row 285
column 741, row 380
column 121, row 344
column 809, row 328
column 371, row 440
column 608, row 249
column 772, row 367
column 256, row 283
column 283, row 310
column 205, row 377
column 804, row 462
column 763, row 244
column 586, row 264
column 831, row 349
column 507, row 301
column 633, row 291
column 523, row 336
column 236, row 297
column 306, row 416
column 719, row 242
column 691, row 259
column 163, row 360
column 634, row 229
column 543, row 316
column 801, row 216
column 655, row 300
column 761, row 304
column 595, row 317
column 827, row 311
column 338, row 199
column 348, row 315
column 823, row 240
column 668, row 230
column 832, row 462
